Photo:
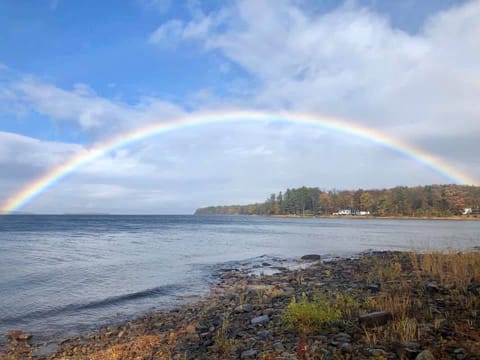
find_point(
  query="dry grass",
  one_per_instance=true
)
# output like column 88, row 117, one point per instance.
column 142, row 347
column 449, row 269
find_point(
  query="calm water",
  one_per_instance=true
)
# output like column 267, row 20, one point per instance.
column 61, row 275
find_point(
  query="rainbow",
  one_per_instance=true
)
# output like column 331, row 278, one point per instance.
column 55, row 175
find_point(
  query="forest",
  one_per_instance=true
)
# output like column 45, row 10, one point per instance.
column 418, row 201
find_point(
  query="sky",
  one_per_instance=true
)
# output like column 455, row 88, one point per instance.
column 76, row 73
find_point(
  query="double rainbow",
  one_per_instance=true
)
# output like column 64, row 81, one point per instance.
column 55, row 175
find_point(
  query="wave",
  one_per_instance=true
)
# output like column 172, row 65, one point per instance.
column 113, row 300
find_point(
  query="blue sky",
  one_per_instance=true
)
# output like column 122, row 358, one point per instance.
column 74, row 73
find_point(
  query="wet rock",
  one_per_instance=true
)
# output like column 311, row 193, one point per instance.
column 259, row 319
column 425, row 355
column 377, row 318
column 18, row 335
column 249, row 354
column 311, row 257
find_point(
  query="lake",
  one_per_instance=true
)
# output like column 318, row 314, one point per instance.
column 63, row 275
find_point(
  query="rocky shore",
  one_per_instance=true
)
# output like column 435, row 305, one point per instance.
column 382, row 305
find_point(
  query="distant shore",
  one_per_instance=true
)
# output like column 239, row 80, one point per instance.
column 391, row 305
column 358, row 217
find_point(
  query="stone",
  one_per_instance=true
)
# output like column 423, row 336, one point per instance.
column 244, row 308
column 377, row 318
column 425, row 355
column 311, row 257
column 259, row 319
column 432, row 287
column 264, row 334
column 377, row 352
column 249, row 354
column 346, row 347
column 278, row 346
column 45, row 350
column 474, row 288
column 374, row 288
column 18, row 335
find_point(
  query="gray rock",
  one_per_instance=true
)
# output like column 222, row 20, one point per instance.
column 425, row 355
column 432, row 287
column 45, row 350
column 278, row 346
column 259, row 319
column 376, row 318
column 264, row 334
column 249, row 354
column 311, row 257
column 346, row 347
column 244, row 308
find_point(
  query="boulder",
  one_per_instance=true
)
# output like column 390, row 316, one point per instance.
column 377, row 318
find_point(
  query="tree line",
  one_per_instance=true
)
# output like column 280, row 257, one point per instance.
column 419, row 201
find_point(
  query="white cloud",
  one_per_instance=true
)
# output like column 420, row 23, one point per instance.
column 351, row 62
column 97, row 115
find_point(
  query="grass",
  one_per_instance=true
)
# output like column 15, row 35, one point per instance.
column 422, row 291
column 224, row 344
column 307, row 316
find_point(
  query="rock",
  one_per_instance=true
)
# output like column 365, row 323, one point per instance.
column 311, row 257
column 278, row 346
column 377, row 353
column 18, row 335
column 264, row 334
column 432, row 287
column 425, row 355
column 259, row 319
column 474, row 288
column 45, row 350
column 346, row 347
column 374, row 288
column 249, row 354
column 244, row 308
column 376, row 318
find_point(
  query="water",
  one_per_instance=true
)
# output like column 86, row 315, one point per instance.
column 63, row 275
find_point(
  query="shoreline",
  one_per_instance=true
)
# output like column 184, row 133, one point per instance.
column 369, row 217
column 243, row 316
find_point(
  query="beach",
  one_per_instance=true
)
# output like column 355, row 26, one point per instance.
column 377, row 305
